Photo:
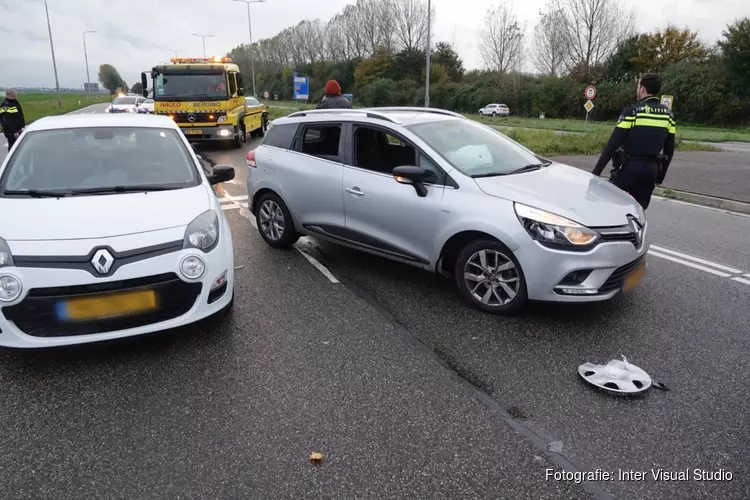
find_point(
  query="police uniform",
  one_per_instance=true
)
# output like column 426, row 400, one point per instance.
column 644, row 130
column 11, row 119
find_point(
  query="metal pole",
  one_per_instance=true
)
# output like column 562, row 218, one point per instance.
column 252, row 59
column 175, row 51
column 52, row 48
column 85, row 55
column 427, row 68
column 204, row 46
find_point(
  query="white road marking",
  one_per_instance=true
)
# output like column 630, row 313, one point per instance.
column 233, row 206
column 703, row 207
column 747, row 276
column 742, row 280
column 728, row 269
column 689, row 264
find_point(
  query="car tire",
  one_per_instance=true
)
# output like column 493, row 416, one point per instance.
column 498, row 292
column 263, row 127
column 271, row 211
column 239, row 139
column 494, row 114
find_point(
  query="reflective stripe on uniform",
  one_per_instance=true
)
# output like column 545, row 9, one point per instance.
column 14, row 109
column 626, row 122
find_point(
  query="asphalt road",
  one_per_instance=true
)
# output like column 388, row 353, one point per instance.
column 408, row 392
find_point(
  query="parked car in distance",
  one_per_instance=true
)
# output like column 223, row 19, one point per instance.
column 116, row 232
column 439, row 191
column 495, row 110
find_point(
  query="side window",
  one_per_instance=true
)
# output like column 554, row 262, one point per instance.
column 240, row 83
column 380, row 151
column 232, row 84
column 433, row 173
column 321, row 141
column 281, row 136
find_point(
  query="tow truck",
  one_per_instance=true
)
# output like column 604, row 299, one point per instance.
column 206, row 98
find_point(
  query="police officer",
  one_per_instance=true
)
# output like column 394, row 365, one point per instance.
column 644, row 130
column 11, row 117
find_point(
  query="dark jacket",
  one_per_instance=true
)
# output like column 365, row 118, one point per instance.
column 334, row 102
column 11, row 116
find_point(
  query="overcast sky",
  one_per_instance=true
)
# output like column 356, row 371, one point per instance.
column 133, row 36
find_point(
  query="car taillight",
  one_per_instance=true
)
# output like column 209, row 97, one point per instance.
column 251, row 159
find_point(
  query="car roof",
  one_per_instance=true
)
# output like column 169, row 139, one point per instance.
column 62, row 122
column 403, row 116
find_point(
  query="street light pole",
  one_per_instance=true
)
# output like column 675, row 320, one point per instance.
column 250, row 32
column 180, row 50
column 427, row 69
column 52, row 48
column 204, row 41
column 86, row 56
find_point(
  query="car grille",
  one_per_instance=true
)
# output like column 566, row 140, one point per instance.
column 630, row 237
column 617, row 278
column 36, row 314
column 199, row 117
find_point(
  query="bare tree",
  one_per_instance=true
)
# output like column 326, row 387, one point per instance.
column 410, row 23
column 501, row 38
column 550, row 46
column 592, row 29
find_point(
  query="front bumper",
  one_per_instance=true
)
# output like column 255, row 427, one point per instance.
column 31, row 320
column 209, row 133
column 609, row 264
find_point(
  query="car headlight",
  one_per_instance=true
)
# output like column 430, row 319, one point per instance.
column 10, row 288
column 221, row 119
column 6, row 258
column 554, row 230
column 192, row 267
column 203, row 232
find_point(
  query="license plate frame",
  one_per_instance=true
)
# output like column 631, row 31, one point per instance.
column 634, row 277
column 193, row 131
column 102, row 307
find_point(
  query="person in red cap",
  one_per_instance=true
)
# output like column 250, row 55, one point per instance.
column 333, row 98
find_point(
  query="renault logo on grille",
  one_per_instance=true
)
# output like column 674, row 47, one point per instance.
column 637, row 231
column 191, row 118
column 102, row 261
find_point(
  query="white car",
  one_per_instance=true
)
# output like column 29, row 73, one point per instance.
column 495, row 110
column 125, row 104
column 116, row 231
column 147, row 106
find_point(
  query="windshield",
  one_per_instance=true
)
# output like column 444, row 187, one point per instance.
column 187, row 86
column 148, row 101
column 473, row 148
column 87, row 158
column 124, row 100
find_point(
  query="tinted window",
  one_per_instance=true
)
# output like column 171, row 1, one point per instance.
column 380, row 151
column 65, row 160
column 280, row 136
column 124, row 100
column 232, row 84
column 191, row 85
column 433, row 173
column 473, row 148
column 321, row 140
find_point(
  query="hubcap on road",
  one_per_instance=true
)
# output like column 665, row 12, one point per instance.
column 491, row 278
column 271, row 220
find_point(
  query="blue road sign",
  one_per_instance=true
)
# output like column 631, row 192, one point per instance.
column 300, row 87
column 349, row 96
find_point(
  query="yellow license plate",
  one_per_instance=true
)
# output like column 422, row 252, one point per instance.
column 109, row 306
column 192, row 131
column 634, row 278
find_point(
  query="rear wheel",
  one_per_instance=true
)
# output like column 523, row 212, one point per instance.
column 494, row 114
column 263, row 127
column 490, row 278
column 274, row 222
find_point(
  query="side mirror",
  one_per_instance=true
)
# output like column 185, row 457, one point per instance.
column 240, row 92
column 413, row 176
column 221, row 173
column 144, row 85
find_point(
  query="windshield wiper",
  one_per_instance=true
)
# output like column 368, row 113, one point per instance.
column 528, row 168
column 488, row 174
column 120, row 189
column 37, row 193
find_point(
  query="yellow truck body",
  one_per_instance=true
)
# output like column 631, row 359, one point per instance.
column 206, row 98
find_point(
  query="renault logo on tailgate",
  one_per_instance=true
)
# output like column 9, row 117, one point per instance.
column 102, row 261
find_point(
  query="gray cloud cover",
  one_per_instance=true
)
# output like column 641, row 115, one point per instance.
column 134, row 36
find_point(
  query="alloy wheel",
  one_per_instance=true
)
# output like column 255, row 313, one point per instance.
column 271, row 220
column 491, row 278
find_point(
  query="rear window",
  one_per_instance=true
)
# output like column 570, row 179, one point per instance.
column 101, row 157
column 280, row 136
column 124, row 100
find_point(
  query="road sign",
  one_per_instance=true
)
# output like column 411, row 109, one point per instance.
column 300, row 87
column 667, row 100
column 266, row 94
column 350, row 97
column 588, row 106
column 590, row 92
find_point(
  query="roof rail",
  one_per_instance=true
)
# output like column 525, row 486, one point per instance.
column 342, row 111
column 437, row 111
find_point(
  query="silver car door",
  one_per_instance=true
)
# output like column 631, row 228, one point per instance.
column 381, row 213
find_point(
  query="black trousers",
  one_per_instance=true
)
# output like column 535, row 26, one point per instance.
column 639, row 179
column 11, row 140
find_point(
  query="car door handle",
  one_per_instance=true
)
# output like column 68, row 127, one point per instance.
column 355, row 191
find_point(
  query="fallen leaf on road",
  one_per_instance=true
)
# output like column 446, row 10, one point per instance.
column 316, row 458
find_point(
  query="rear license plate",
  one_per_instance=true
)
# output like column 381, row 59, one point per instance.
column 109, row 306
column 634, row 278
column 192, row 131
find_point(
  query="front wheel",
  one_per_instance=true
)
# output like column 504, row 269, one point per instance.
column 263, row 127
column 490, row 278
column 239, row 139
column 274, row 222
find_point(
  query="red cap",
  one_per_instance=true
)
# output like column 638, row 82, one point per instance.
column 333, row 87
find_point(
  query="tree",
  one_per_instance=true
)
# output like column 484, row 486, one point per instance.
column 658, row 50
column 549, row 42
column 371, row 69
column 736, row 50
column 619, row 66
column 411, row 23
column 137, row 88
column 501, row 38
column 110, row 79
column 592, row 30
column 445, row 56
